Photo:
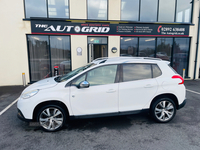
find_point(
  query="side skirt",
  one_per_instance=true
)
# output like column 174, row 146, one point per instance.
column 110, row 114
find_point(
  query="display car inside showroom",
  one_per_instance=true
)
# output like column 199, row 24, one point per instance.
column 42, row 37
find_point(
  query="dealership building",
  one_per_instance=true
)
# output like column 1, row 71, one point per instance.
column 37, row 36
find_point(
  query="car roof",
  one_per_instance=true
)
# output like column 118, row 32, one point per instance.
column 114, row 60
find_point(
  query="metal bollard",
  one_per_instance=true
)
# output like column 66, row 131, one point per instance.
column 23, row 79
column 183, row 73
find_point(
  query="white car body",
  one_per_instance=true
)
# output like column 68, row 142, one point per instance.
column 115, row 98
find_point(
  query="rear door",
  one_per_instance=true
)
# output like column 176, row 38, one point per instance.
column 137, row 86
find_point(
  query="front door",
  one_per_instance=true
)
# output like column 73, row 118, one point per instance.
column 97, row 48
column 101, row 96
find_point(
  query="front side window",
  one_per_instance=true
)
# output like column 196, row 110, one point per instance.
column 35, row 8
column 148, row 10
column 183, row 13
column 132, row 72
column 58, row 8
column 102, row 75
column 130, row 10
column 97, row 9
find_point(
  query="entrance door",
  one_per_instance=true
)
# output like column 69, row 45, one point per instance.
column 97, row 48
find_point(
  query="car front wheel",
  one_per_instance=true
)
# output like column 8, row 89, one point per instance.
column 163, row 110
column 51, row 118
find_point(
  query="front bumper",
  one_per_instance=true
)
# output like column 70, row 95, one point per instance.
column 21, row 116
column 182, row 104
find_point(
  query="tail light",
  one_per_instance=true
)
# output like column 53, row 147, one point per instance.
column 178, row 77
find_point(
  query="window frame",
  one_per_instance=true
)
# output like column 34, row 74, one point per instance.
column 28, row 53
column 25, row 18
column 98, row 19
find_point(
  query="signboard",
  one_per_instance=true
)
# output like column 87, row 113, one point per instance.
column 68, row 28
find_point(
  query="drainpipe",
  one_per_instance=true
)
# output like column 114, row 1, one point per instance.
column 197, row 44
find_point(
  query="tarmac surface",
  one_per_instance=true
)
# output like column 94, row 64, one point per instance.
column 137, row 132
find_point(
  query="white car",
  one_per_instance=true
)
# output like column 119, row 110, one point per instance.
column 105, row 87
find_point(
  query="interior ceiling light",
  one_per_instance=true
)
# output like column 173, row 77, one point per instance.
column 150, row 40
column 59, row 38
column 91, row 39
column 128, row 39
column 36, row 38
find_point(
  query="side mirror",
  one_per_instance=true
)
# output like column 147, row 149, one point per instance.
column 84, row 84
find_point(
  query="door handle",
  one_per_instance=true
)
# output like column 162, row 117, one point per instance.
column 111, row 91
column 148, row 86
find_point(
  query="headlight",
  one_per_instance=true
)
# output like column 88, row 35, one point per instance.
column 29, row 94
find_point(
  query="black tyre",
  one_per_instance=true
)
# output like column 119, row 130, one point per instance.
column 51, row 117
column 163, row 110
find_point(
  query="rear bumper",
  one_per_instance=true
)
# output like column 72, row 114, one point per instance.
column 182, row 104
column 21, row 116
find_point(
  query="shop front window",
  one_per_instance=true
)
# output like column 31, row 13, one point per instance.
column 129, row 46
column 180, row 54
column 35, row 8
column 164, row 48
column 46, row 52
column 183, row 13
column 148, row 10
column 146, row 47
column 97, row 9
column 130, row 10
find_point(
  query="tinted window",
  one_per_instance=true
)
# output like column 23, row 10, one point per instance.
column 130, row 10
column 183, row 13
column 156, row 71
column 102, row 75
column 166, row 10
column 148, row 10
column 35, row 8
column 128, row 46
column 133, row 72
column 164, row 48
column 97, row 9
column 58, row 8
column 147, row 47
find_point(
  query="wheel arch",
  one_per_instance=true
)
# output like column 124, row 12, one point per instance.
column 52, row 102
column 168, row 95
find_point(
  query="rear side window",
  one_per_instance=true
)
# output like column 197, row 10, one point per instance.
column 132, row 72
column 156, row 71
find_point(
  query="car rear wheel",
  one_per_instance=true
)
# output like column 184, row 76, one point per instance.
column 51, row 118
column 163, row 110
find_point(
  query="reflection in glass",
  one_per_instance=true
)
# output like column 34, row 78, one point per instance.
column 60, row 53
column 183, row 13
column 58, row 8
column 147, row 47
column 128, row 46
column 39, row 57
column 133, row 72
column 129, row 10
column 35, row 8
column 180, row 54
column 148, row 10
column 102, row 75
column 164, row 48
column 97, row 9
column 166, row 10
